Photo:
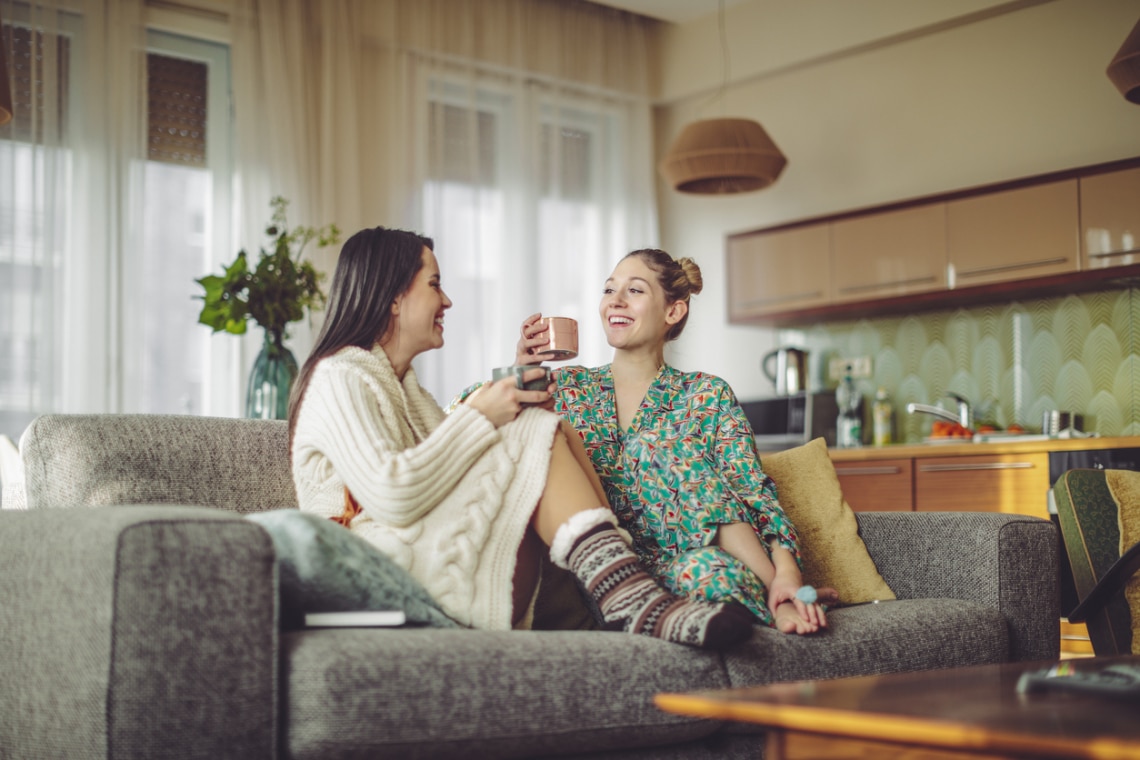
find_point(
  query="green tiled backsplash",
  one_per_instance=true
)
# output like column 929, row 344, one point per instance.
column 1012, row 361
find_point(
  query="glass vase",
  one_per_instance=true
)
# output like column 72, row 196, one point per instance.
column 270, row 380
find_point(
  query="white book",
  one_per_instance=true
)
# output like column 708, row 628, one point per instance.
column 355, row 619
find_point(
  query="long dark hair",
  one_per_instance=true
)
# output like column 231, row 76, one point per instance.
column 375, row 267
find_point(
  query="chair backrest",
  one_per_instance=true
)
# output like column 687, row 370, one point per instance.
column 73, row 460
column 1099, row 515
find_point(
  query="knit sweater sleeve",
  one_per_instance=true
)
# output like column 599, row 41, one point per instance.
column 347, row 419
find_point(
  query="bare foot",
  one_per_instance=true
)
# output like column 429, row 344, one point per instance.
column 789, row 620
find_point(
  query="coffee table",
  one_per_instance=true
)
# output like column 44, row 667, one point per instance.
column 959, row 712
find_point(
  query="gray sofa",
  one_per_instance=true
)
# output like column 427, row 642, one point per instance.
column 151, row 630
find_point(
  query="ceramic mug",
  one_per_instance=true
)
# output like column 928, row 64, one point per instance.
column 518, row 370
column 561, row 338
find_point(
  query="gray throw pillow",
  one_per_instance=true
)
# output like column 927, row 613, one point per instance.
column 323, row 567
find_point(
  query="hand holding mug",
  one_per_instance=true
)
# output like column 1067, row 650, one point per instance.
column 512, row 388
column 534, row 335
column 543, row 338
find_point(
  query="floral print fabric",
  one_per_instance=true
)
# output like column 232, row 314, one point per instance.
column 686, row 465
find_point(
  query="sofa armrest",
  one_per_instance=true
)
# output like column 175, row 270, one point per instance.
column 1000, row 560
column 137, row 632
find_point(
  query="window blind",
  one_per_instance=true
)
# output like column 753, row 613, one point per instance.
column 176, row 110
column 32, row 90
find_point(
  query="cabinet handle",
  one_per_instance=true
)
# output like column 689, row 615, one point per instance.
column 882, row 285
column 981, row 466
column 868, row 470
column 781, row 299
column 1012, row 267
column 1108, row 254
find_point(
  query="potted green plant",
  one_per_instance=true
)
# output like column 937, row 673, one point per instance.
column 279, row 289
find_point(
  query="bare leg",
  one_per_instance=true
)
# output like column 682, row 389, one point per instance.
column 568, row 489
column 571, row 486
column 579, row 452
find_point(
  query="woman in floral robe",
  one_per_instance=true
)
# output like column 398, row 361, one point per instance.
column 676, row 454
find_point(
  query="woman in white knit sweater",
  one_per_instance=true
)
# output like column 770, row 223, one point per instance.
column 463, row 501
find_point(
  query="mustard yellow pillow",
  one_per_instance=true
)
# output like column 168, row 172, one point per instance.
column 833, row 553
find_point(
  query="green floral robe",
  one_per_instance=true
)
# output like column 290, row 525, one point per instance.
column 686, row 465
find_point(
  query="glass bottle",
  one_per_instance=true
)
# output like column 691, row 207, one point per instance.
column 849, row 426
column 881, row 418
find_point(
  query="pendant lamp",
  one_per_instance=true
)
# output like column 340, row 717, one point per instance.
column 1124, row 71
column 722, row 156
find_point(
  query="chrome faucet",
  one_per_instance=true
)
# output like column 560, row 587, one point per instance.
column 964, row 417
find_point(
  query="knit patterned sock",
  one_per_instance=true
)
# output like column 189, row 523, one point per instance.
column 628, row 596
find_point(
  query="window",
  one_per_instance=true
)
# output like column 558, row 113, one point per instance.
column 86, row 324
column 37, row 165
column 173, row 363
column 519, row 196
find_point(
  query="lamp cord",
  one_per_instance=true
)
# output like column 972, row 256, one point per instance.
column 725, row 63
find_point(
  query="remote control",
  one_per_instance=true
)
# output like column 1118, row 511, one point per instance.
column 1120, row 680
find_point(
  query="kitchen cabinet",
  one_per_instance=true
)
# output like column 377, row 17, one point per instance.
column 882, row 485
column 1016, row 483
column 890, row 253
column 1110, row 219
column 1013, row 234
column 779, row 271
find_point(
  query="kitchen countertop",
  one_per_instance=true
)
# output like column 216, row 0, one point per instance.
column 968, row 448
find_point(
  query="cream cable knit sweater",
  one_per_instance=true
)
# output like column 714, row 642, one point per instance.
column 448, row 497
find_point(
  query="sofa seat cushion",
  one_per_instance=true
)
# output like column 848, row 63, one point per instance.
column 869, row 639
column 414, row 693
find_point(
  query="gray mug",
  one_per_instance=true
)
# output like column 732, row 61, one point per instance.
column 518, row 370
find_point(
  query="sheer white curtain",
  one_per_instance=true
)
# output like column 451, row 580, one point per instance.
column 96, row 312
column 65, row 165
column 514, row 132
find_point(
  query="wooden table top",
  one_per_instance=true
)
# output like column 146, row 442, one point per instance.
column 975, row 709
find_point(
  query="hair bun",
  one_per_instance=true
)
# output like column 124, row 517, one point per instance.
column 692, row 273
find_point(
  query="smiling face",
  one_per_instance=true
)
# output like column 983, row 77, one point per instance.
column 417, row 315
column 634, row 311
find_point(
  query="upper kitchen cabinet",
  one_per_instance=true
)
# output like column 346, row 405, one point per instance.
column 778, row 271
column 889, row 254
column 1013, row 234
column 1110, row 219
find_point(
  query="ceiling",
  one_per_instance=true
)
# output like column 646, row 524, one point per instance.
column 675, row 11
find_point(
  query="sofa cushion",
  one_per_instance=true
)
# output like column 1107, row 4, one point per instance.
column 832, row 551
column 869, row 639
column 94, row 460
column 462, row 694
column 325, row 568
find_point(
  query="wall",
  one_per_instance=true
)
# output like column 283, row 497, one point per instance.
column 1013, row 90
column 1013, row 361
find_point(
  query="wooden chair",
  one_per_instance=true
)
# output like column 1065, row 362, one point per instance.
column 1099, row 514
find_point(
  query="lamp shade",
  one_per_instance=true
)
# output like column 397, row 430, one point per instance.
column 1124, row 71
column 721, row 156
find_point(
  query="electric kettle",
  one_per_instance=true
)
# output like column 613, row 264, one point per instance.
column 790, row 375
